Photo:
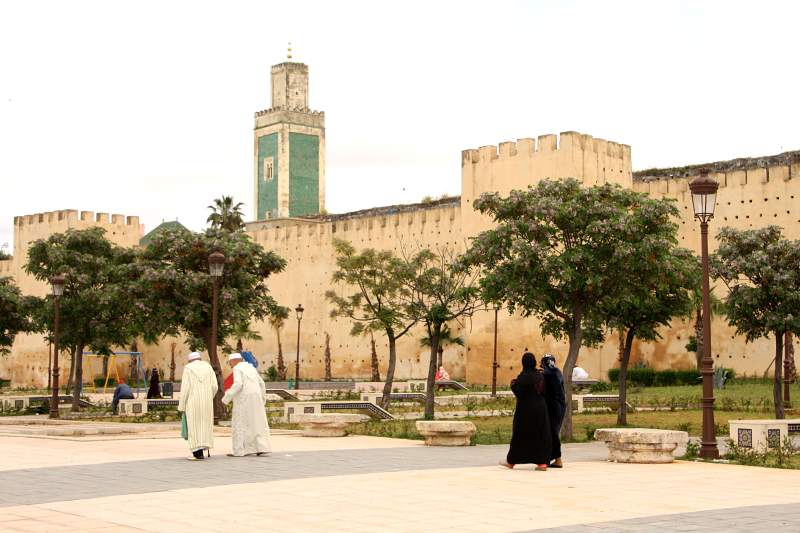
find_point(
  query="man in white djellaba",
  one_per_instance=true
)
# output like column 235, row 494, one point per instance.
column 250, row 430
column 198, row 387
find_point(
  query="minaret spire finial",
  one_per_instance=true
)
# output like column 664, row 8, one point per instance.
column 289, row 52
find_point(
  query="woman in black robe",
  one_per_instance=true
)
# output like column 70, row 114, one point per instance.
column 154, row 391
column 556, row 404
column 530, row 434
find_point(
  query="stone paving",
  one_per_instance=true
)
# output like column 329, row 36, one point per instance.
column 144, row 483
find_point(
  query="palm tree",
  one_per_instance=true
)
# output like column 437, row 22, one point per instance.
column 277, row 320
column 445, row 337
column 225, row 215
column 240, row 332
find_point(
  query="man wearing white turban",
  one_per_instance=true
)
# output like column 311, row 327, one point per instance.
column 249, row 427
column 198, row 387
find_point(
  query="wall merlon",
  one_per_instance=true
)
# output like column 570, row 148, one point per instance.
column 547, row 143
column 87, row 216
column 526, row 146
column 118, row 219
column 469, row 156
column 102, row 218
column 488, row 153
column 132, row 220
column 508, row 149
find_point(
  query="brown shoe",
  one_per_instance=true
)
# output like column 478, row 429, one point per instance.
column 506, row 464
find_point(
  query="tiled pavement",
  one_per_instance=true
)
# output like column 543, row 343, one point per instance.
column 367, row 484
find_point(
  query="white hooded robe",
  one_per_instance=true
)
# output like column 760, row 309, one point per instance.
column 198, row 387
column 250, row 430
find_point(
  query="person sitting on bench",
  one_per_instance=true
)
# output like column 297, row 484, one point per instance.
column 122, row 392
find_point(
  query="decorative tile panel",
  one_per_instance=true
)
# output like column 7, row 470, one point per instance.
column 745, row 438
column 773, row 438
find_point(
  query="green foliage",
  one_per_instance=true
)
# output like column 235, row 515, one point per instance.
column 692, row 449
column 600, row 386
column 96, row 311
column 445, row 337
column 761, row 270
column 225, row 215
column 272, row 373
column 15, row 313
column 171, row 287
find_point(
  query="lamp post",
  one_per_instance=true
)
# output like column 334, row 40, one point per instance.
column 299, row 310
column 57, row 282
column 494, row 354
column 704, row 197
column 216, row 265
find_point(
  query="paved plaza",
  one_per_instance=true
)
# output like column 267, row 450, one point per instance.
column 142, row 482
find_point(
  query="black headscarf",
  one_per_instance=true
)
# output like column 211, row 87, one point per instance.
column 530, row 375
column 528, row 362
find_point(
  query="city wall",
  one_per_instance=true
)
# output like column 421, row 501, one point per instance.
column 753, row 193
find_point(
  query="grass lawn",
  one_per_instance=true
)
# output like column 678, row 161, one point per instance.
column 497, row 429
column 736, row 396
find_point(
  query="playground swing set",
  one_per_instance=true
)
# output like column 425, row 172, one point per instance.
column 135, row 361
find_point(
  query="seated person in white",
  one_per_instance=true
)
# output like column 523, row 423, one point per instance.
column 579, row 374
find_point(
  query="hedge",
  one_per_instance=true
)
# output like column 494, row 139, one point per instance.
column 647, row 377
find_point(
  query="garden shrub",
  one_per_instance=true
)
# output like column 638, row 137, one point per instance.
column 647, row 377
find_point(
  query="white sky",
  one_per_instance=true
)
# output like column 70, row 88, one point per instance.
column 146, row 108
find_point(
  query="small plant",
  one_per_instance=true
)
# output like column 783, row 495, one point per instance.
column 272, row 373
column 601, row 386
column 590, row 429
column 685, row 426
column 692, row 450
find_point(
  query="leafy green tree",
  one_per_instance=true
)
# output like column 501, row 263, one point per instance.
column 556, row 252
column 95, row 308
column 226, row 215
column 761, row 270
column 373, row 297
column 439, row 288
column 659, row 281
column 15, row 313
column 171, row 287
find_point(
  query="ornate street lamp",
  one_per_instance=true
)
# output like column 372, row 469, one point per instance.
column 299, row 310
column 704, row 198
column 216, row 265
column 57, row 283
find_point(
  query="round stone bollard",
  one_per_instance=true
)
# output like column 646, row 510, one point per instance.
column 327, row 424
column 446, row 432
column 641, row 445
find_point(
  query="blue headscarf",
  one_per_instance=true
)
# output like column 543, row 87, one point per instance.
column 249, row 358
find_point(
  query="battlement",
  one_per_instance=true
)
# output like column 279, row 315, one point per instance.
column 568, row 141
column 292, row 109
column 290, row 65
column 73, row 215
column 785, row 159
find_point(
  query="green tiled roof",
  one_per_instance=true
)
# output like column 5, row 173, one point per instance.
column 172, row 224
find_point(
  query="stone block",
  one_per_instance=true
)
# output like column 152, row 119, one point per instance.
column 293, row 409
column 762, row 435
column 136, row 407
column 641, row 445
column 15, row 403
column 446, row 432
column 327, row 424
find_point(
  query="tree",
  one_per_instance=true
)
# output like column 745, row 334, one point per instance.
column 171, row 287
column 373, row 297
column 659, row 280
column 277, row 319
column 225, row 215
column 440, row 288
column 96, row 312
column 373, row 360
column 761, row 270
column 328, row 375
column 15, row 313
column 555, row 254
column 242, row 332
column 445, row 338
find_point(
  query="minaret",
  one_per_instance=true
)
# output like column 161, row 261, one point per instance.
column 289, row 148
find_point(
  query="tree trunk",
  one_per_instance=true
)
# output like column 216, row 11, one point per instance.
column 71, row 376
column 440, row 360
column 575, row 340
column 50, row 366
column 376, row 371
column 777, row 392
column 622, row 411
column 698, row 335
column 172, row 362
column 434, row 331
column 328, row 375
column 387, row 387
column 76, row 391
column 788, row 350
column 105, row 367
column 281, row 363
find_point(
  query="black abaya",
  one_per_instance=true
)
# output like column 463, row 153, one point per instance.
column 531, row 433
column 556, row 406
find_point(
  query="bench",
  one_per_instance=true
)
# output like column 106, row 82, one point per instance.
column 421, row 385
column 446, row 432
column 581, row 384
column 761, row 435
column 23, row 402
column 588, row 401
column 327, row 424
column 309, row 408
column 283, row 393
column 375, row 397
column 641, row 445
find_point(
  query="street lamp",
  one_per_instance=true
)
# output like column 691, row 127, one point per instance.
column 57, row 282
column 704, row 198
column 216, row 265
column 299, row 310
